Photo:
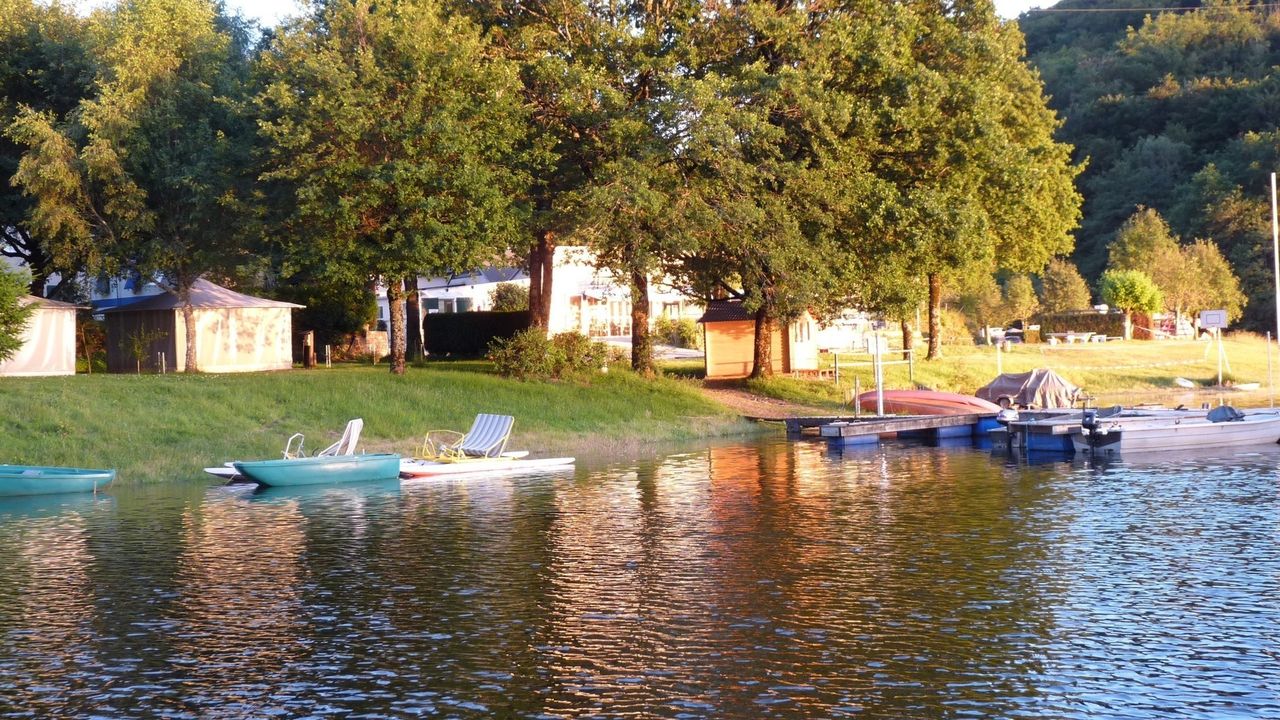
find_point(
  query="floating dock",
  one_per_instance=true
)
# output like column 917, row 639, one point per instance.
column 864, row 430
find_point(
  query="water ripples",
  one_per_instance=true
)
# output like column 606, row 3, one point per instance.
column 763, row 580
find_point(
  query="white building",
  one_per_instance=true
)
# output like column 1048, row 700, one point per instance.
column 583, row 299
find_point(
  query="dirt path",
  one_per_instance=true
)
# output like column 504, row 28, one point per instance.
column 756, row 406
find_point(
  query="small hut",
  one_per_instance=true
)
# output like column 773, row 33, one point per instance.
column 48, row 342
column 234, row 332
column 729, row 336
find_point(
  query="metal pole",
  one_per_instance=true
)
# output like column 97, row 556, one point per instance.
column 835, row 358
column 999, row 361
column 879, row 368
column 911, row 366
column 857, row 403
column 327, row 362
column 1271, row 388
column 1218, row 332
column 1275, row 250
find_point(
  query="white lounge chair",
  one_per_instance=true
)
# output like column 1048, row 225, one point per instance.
column 487, row 438
column 346, row 444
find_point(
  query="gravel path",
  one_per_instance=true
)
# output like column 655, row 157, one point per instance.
column 757, row 406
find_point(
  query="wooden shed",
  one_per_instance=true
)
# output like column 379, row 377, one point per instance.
column 48, row 342
column 729, row 335
column 234, row 332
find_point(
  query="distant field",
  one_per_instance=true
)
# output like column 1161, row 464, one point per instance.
column 1115, row 372
column 156, row 427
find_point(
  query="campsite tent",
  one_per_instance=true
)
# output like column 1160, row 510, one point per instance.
column 49, row 341
column 1040, row 388
column 234, row 332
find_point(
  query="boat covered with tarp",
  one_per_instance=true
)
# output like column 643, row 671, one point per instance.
column 1040, row 388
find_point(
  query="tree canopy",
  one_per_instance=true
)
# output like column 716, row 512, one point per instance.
column 393, row 130
column 144, row 177
column 14, row 314
column 1173, row 112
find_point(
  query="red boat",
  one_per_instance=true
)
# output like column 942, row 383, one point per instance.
column 926, row 402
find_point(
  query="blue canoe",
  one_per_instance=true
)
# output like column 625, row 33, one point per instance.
column 43, row 480
column 321, row 469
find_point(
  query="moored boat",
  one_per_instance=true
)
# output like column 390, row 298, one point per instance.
column 1222, row 427
column 926, row 402
column 509, row 463
column 43, row 480
column 321, row 469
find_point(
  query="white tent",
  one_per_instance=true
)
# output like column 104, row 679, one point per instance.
column 49, row 341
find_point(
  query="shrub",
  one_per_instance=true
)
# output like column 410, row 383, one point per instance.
column 578, row 354
column 530, row 355
column 954, row 331
column 678, row 333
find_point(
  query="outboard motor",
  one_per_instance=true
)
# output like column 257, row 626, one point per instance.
column 1089, row 421
column 1006, row 416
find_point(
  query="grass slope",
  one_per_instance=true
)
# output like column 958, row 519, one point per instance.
column 154, row 427
column 1117, row 372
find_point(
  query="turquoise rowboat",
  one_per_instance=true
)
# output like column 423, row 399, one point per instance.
column 44, row 480
column 321, row 469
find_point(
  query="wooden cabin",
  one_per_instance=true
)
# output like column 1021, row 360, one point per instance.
column 729, row 335
column 234, row 332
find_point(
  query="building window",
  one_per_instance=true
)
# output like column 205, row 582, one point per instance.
column 464, row 304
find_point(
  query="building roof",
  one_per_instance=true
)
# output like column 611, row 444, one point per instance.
column 204, row 295
column 725, row 311
column 483, row 276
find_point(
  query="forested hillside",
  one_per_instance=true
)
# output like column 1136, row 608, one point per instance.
column 1178, row 111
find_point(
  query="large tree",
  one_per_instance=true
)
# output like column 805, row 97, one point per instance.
column 44, row 65
column 981, row 181
column 145, row 176
column 1062, row 288
column 393, row 130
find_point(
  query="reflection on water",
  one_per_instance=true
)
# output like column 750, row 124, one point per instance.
column 757, row 580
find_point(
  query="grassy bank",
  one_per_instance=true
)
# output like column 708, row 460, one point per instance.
column 1116, row 372
column 163, row 427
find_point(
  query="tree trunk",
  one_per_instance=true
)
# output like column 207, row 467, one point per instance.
column 189, row 319
column 935, row 316
column 541, row 262
column 908, row 339
column 641, row 340
column 413, row 320
column 762, row 355
column 395, row 303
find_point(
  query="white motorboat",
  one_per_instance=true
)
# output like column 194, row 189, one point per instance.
column 1221, row 427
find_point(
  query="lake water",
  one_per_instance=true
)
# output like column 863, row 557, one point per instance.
column 760, row 580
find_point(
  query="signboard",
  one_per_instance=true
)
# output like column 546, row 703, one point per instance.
column 1213, row 319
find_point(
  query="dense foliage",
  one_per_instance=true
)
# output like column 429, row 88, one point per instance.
column 531, row 355
column 14, row 314
column 1175, row 112
column 797, row 156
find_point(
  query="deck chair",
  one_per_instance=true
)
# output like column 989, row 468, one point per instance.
column 487, row 438
column 346, row 444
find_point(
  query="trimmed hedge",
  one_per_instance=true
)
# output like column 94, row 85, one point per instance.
column 468, row 334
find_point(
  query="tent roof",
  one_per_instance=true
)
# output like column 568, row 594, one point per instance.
column 47, row 303
column 204, row 295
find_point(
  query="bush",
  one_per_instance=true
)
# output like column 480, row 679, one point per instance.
column 954, row 330
column 530, row 355
column 677, row 333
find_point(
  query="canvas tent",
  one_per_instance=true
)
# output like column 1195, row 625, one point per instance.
column 1040, row 388
column 234, row 332
column 49, row 341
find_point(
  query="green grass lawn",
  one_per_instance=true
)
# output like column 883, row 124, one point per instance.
column 1115, row 372
column 164, row 427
